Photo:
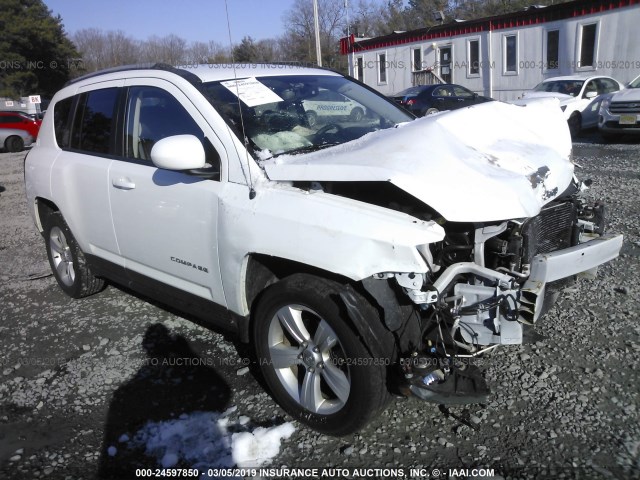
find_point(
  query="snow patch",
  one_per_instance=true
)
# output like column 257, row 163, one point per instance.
column 211, row 439
column 253, row 449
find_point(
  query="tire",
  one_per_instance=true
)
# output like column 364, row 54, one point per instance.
column 67, row 261
column 14, row 144
column 316, row 365
column 356, row 114
column 575, row 124
column 312, row 118
column 431, row 111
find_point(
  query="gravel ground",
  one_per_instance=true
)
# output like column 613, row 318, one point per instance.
column 77, row 375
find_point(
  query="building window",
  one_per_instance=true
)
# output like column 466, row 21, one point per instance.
column 416, row 59
column 588, row 45
column 474, row 57
column 553, row 49
column 360, row 69
column 382, row 68
column 510, row 54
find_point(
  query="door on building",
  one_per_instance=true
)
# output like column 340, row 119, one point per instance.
column 445, row 64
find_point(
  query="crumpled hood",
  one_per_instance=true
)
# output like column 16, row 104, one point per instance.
column 488, row 162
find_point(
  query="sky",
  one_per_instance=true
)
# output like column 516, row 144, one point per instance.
column 193, row 20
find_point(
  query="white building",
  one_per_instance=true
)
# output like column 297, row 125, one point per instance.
column 504, row 55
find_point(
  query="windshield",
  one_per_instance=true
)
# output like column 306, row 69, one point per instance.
column 301, row 113
column 566, row 87
column 635, row 83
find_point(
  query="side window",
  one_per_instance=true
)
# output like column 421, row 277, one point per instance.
column 61, row 124
column 462, row 92
column 94, row 121
column 151, row 115
column 591, row 87
column 441, row 92
column 606, row 85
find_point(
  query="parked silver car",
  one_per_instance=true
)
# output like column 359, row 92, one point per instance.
column 14, row 140
column 620, row 113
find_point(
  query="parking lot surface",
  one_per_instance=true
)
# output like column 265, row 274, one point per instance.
column 80, row 378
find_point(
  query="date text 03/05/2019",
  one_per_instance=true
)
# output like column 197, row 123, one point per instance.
column 284, row 472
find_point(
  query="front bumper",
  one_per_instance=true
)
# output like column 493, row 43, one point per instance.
column 610, row 123
column 549, row 267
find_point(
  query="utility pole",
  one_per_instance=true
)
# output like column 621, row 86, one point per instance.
column 317, row 28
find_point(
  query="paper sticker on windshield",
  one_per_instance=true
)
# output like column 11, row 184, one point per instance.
column 251, row 91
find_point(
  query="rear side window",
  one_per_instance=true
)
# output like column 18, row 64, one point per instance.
column 62, row 123
column 94, row 121
column 11, row 119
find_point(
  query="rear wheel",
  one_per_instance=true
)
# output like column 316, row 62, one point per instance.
column 431, row 111
column 316, row 365
column 312, row 118
column 67, row 261
column 14, row 144
column 356, row 114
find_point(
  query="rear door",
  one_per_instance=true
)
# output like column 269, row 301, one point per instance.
column 166, row 222
column 79, row 173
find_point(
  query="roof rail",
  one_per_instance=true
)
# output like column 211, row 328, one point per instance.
column 190, row 77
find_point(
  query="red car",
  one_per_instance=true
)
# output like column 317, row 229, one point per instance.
column 21, row 121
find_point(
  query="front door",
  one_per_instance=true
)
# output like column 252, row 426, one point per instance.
column 445, row 64
column 166, row 221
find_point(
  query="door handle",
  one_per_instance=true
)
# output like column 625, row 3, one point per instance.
column 123, row 183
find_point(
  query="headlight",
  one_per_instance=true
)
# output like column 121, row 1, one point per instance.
column 604, row 105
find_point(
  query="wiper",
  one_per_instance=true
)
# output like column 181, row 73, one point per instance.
column 307, row 149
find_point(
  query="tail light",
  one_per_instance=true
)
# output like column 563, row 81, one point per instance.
column 411, row 101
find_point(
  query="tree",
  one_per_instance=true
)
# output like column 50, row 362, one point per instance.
column 299, row 27
column 103, row 50
column 36, row 57
column 246, row 51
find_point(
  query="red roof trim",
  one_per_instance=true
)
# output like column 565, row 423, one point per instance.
column 516, row 19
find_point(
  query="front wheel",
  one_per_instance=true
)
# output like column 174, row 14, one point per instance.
column 67, row 261
column 575, row 124
column 316, row 366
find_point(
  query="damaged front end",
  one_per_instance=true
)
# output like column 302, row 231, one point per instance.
column 489, row 283
column 516, row 232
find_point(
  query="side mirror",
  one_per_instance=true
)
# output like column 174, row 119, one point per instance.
column 591, row 95
column 179, row 152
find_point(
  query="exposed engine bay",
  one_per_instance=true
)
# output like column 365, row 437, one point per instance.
column 488, row 283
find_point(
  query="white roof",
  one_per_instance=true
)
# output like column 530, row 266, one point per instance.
column 214, row 72
column 573, row 77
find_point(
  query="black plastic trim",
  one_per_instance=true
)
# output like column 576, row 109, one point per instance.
column 190, row 77
column 212, row 314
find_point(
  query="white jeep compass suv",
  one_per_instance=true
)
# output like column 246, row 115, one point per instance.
column 370, row 254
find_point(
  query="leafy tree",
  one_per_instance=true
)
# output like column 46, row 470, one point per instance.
column 36, row 57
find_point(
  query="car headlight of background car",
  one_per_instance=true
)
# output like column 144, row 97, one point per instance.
column 604, row 105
